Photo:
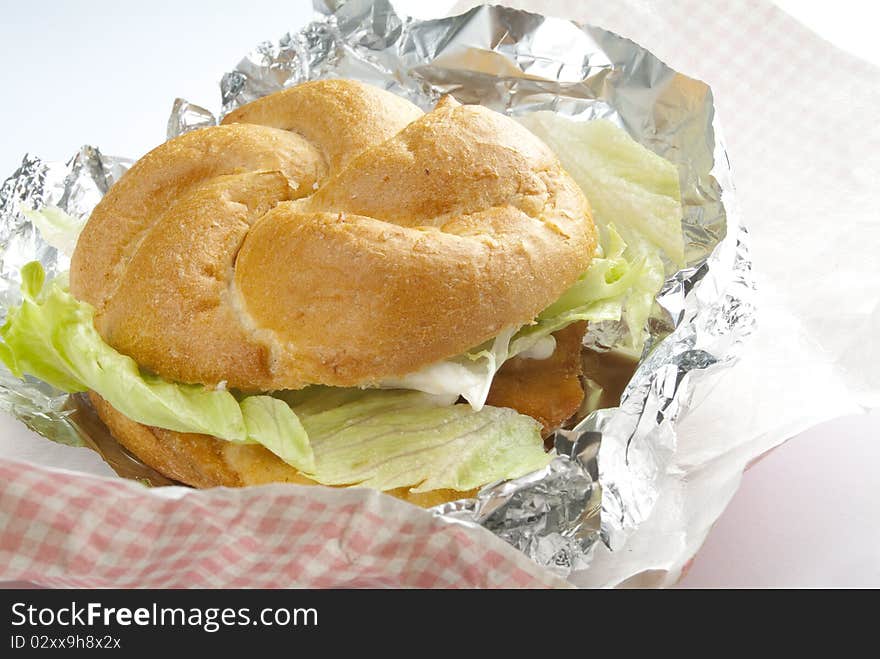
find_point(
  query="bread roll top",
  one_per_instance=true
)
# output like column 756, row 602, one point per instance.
column 330, row 234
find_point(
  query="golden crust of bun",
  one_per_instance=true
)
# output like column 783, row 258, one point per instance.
column 329, row 234
column 204, row 461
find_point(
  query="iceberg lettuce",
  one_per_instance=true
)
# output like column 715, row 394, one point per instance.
column 57, row 228
column 387, row 439
column 51, row 336
column 628, row 186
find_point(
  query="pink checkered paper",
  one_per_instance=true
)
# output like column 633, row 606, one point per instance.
column 62, row 529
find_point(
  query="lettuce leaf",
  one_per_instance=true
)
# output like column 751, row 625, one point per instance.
column 389, row 439
column 51, row 336
column 636, row 201
column 57, row 228
column 271, row 422
column 628, row 185
column 620, row 285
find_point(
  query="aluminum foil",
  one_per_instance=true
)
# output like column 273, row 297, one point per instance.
column 75, row 187
column 603, row 483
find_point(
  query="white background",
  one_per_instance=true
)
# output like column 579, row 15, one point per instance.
column 94, row 72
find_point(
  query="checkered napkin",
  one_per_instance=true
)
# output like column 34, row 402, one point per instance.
column 62, row 529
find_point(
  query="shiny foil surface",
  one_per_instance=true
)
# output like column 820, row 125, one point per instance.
column 75, row 187
column 604, row 481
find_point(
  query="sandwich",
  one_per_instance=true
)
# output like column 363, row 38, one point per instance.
column 334, row 287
